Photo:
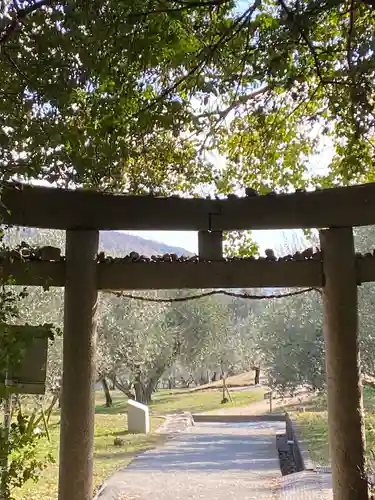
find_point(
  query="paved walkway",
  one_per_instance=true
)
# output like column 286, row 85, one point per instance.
column 207, row 461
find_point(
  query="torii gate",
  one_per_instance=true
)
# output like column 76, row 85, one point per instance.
column 336, row 269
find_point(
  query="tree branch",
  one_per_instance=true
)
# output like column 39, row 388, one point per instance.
column 308, row 42
column 371, row 3
column 352, row 70
column 183, row 6
column 349, row 49
column 198, row 67
column 241, row 100
column 20, row 16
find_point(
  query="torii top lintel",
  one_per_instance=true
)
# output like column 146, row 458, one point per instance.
column 55, row 208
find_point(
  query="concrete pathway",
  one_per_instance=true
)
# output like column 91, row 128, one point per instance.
column 208, row 461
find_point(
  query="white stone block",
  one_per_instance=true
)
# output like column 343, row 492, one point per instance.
column 138, row 418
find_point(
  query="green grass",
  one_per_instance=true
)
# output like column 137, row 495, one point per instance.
column 313, row 425
column 107, row 457
column 112, row 422
column 195, row 402
column 240, row 380
column 170, row 401
column 314, row 432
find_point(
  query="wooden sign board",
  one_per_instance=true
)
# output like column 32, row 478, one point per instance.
column 30, row 376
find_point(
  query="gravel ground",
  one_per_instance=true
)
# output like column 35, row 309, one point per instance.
column 207, row 461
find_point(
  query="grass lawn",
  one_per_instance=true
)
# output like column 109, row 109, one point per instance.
column 314, row 425
column 112, row 422
column 107, row 457
column 240, row 380
column 195, row 402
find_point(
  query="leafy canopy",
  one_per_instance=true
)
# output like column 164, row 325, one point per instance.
column 83, row 92
column 133, row 95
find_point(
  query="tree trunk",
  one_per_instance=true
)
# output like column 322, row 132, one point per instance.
column 257, row 375
column 148, row 393
column 108, row 397
column 171, row 383
column 124, row 388
column 113, row 382
column 4, row 485
column 185, row 382
column 141, row 393
column 55, row 399
column 144, row 390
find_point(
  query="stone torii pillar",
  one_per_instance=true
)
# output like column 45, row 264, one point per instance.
column 210, row 245
column 345, row 407
column 78, row 396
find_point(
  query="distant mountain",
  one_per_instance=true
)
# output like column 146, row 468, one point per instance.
column 113, row 243
column 120, row 244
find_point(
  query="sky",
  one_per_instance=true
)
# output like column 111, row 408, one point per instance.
column 189, row 239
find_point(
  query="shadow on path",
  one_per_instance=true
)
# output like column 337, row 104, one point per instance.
column 211, row 461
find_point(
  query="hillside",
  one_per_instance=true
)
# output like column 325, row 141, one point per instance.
column 113, row 243
column 116, row 243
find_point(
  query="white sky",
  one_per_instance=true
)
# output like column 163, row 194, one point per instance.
column 189, row 239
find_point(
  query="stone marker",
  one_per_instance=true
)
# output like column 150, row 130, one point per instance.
column 138, row 418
